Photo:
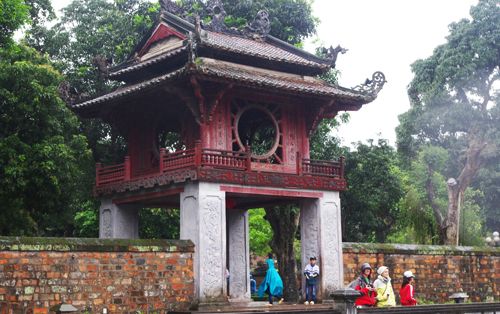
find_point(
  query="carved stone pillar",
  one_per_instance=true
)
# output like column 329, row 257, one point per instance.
column 238, row 249
column 203, row 221
column 321, row 236
column 118, row 221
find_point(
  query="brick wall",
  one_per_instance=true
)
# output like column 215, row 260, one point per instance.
column 127, row 275
column 439, row 270
column 122, row 275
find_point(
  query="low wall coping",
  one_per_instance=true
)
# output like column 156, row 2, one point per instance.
column 94, row 245
column 419, row 249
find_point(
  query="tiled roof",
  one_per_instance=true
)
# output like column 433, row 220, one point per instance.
column 133, row 67
column 243, row 75
column 130, row 89
column 278, row 80
column 260, row 49
column 267, row 48
column 228, row 43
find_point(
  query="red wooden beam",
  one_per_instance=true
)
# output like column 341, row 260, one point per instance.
column 270, row 192
column 127, row 168
column 148, row 196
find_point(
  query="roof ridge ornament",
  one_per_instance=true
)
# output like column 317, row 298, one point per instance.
column 373, row 86
column 218, row 14
column 260, row 26
column 194, row 39
column 331, row 54
column 171, row 7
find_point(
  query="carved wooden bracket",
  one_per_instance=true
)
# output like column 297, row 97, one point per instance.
column 315, row 120
column 207, row 104
column 331, row 110
column 317, row 114
column 200, row 98
column 189, row 100
column 217, row 99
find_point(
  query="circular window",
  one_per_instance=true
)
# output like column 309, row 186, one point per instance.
column 255, row 126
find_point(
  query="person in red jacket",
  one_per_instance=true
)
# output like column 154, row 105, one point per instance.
column 365, row 286
column 406, row 294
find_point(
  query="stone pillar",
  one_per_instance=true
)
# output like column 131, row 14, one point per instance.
column 321, row 236
column 238, row 249
column 203, row 221
column 344, row 300
column 118, row 221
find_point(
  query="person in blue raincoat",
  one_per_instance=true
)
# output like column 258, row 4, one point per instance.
column 272, row 284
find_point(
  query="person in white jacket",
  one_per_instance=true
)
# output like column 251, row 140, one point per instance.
column 311, row 272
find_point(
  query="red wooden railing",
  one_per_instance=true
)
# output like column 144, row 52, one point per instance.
column 177, row 160
column 323, row 168
column 112, row 174
column 224, row 159
column 214, row 158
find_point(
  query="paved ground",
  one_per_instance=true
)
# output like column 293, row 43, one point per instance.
column 263, row 307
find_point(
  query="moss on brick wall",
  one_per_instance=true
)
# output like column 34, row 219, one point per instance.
column 388, row 248
column 95, row 245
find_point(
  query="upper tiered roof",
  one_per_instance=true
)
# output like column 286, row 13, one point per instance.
column 177, row 49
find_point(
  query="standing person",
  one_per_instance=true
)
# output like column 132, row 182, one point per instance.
column 311, row 272
column 383, row 286
column 406, row 293
column 365, row 286
column 272, row 284
column 253, row 285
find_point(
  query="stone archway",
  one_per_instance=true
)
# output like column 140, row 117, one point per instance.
column 221, row 238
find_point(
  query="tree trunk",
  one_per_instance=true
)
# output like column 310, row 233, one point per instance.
column 284, row 221
column 431, row 197
column 456, row 188
column 453, row 214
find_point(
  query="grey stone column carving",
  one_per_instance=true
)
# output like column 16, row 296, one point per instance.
column 203, row 221
column 239, row 268
column 118, row 221
column 309, row 236
column 321, row 236
column 331, row 243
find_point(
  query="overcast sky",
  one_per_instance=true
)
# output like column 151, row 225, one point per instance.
column 387, row 36
column 381, row 35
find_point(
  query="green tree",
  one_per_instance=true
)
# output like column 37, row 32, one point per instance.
column 454, row 105
column 159, row 223
column 426, row 196
column 291, row 20
column 471, row 219
column 13, row 14
column 93, row 28
column 43, row 158
column 370, row 206
column 40, row 11
column 284, row 221
column 416, row 222
column 89, row 33
column 260, row 232
column 325, row 146
column 488, row 182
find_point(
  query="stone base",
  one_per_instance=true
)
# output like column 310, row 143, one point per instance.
column 263, row 307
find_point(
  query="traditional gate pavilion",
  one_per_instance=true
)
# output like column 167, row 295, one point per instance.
column 242, row 105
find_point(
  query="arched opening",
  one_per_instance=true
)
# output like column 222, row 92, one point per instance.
column 257, row 126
